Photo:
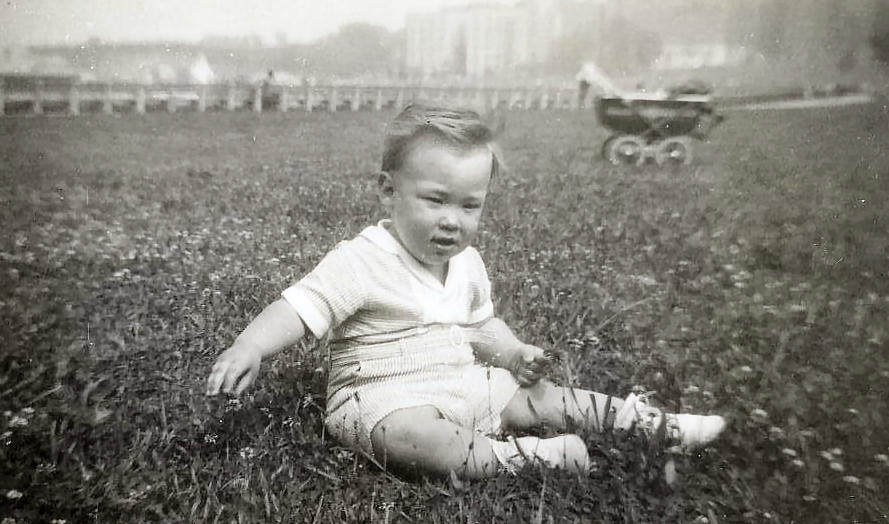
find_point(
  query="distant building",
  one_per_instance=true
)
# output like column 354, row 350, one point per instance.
column 20, row 60
column 819, row 34
column 805, row 41
column 150, row 63
column 631, row 36
column 481, row 40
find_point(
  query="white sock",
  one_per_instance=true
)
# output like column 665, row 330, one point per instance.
column 688, row 431
column 694, row 431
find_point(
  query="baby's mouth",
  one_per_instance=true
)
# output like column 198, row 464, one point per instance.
column 444, row 242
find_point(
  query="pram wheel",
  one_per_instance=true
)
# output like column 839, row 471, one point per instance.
column 673, row 152
column 626, row 150
column 606, row 145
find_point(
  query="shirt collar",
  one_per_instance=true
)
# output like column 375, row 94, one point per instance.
column 380, row 236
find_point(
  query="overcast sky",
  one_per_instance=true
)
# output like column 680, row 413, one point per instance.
column 75, row 21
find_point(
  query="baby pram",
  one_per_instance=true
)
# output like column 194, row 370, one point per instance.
column 652, row 125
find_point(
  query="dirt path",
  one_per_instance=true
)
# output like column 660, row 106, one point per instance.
column 832, row 101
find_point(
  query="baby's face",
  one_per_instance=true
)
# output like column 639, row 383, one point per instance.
column 435, row 200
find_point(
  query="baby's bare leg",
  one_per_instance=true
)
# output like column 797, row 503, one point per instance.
column 420, row 439
column 567, row 408
column 558, row 407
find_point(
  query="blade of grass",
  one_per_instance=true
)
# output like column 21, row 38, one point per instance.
column 318, row 510
column 596, row 422
column 539, row 517
column 606, row 426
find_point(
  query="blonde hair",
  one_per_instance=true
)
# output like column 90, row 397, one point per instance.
column 460, row 128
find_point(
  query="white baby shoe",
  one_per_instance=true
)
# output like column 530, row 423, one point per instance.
column 688, row 431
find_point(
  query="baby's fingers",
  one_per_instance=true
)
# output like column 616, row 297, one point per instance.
column 246, row 380
column 216, row 378
column 537, row 367
column 232, row 375
column 527, row 376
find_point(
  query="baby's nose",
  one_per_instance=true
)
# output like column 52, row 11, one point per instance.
column 449, row 222
column 448, row 225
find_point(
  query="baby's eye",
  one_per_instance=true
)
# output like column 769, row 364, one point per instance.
column 433, row 199
column 472, row 206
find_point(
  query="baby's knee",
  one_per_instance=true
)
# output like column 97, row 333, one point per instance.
column 404, row 437
column 392, row 436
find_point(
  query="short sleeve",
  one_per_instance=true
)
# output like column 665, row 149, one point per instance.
column 330, row 293
column 481, row 308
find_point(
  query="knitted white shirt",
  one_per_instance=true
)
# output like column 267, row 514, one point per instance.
column 371, row 286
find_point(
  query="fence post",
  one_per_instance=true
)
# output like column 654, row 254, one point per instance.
column 38, row 97
column 309, row 101
column 140, row 100
column 257, row 99
column 2, row 97
column 513, row 99
column 399, row 100
column 202, row 99
column 379, row 103
column 331, row 100
column 107, row 103
column 356, row 99
column 230, row 97
column 73, row 101
column 558, row 99
column 171, row 102
column 283, row 101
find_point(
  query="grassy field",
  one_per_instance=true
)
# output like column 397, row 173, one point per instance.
column 752, row 284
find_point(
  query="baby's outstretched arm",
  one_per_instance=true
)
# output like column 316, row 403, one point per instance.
column 276, row 327
column 528, row 363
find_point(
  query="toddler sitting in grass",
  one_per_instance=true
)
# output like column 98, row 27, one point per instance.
column 422, row 375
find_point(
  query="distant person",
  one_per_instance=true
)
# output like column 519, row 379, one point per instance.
column 267, row 80
column 423, row 376
column 583, row 89
column 590, row 74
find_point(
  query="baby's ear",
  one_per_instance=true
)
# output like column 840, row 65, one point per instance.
column 385, row 186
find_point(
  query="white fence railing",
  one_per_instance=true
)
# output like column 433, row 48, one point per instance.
column 114, row 98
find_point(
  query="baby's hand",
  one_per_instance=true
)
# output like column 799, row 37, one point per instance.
column 531, row 365
column 234, row 371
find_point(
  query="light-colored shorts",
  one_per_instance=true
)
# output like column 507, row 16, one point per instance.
column 437, row 371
